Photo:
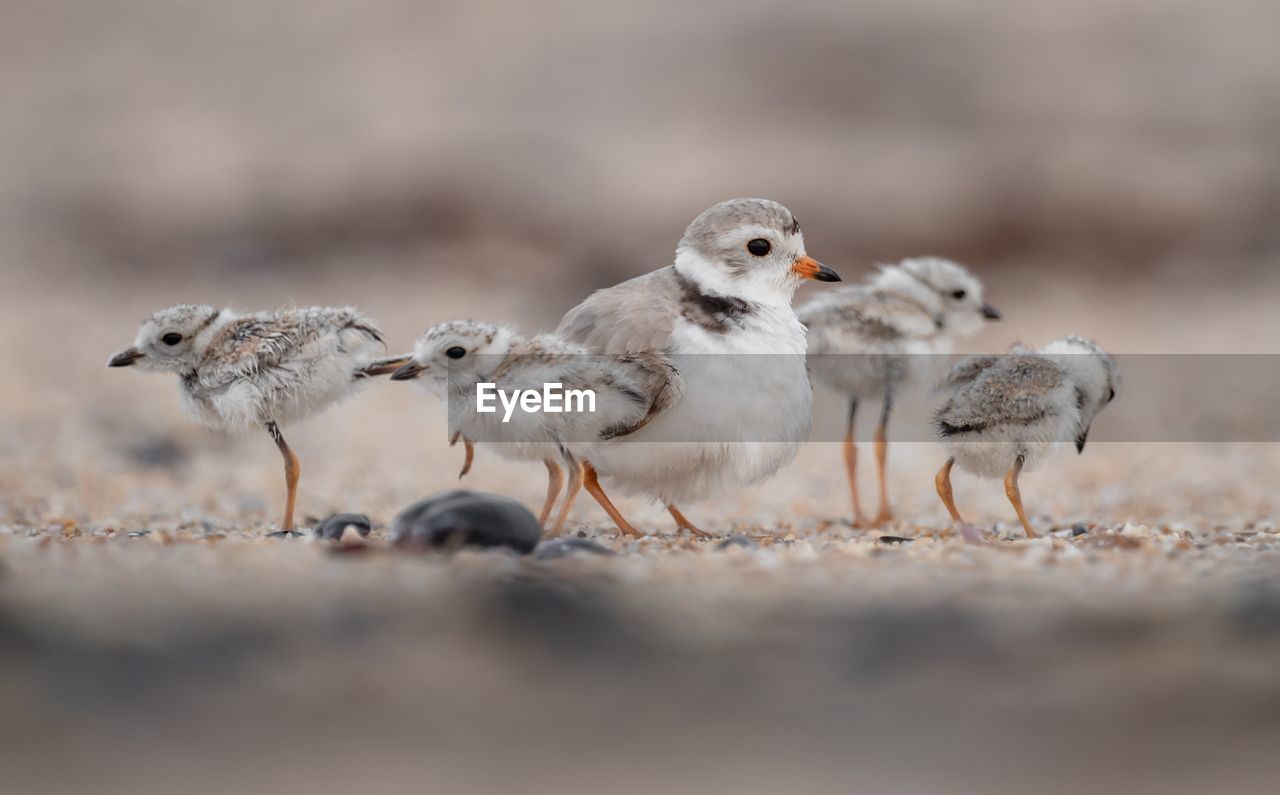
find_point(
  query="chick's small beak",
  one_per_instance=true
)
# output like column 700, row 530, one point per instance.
column 990, row 312
column 407, row 372
column 809, row 268
column 385, row 366
column 126, row 357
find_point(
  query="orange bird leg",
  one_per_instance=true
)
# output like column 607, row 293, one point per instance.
column 882, row 458
column 470, row 456
column 943, row 481
column 591, row 481
column 1015, row 496
column 684, row 524
column 851, row 467
column 292, row 472
column 555, row 479
column 575, row 485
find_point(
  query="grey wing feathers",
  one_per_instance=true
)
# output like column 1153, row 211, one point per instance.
column 364, row 327
column 662, row 388
column 1011, row 389
column 970, row 367
column 341, row 319
column 860, row 316
column 261, row 344
column 966, row 370
column 636, row 316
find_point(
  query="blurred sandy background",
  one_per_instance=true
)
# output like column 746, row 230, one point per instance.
column 1109, row 167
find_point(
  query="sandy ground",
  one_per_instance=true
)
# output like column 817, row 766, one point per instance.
column 1107, row 166
column 151, row 638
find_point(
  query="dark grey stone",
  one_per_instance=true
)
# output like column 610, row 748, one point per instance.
column 1255, row 610
column 737, row 541
column 158, row 452
column 895, row 540
column 467, row 518
column 565, row 547
column 332, row 528
column 1079, row 530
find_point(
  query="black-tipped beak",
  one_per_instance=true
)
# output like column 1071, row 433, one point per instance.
column 809, row 268
column 385, row 366
column 408, row 372
column 126, row 357
column 825, row 274
column 1080, row 441
column 990, row 312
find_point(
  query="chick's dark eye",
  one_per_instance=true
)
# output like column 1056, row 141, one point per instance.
column 1111, row 396
column 456, row 352
column 171, row 338
column 958, row 294
column 759, row 247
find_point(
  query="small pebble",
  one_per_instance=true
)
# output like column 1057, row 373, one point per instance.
column 1079, row 530
column 566, row 547
column 332, row 528
column 467, row 518
column 895, row 540
column 738, row 541
column 158, row 452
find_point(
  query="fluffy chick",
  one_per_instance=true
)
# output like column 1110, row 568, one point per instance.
column 452, row 358
column 257, row 370
column 864, row 342
column 1007, row 414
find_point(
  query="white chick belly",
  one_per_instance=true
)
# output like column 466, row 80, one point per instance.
column 991, row 453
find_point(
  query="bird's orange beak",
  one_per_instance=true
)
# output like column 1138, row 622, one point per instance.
column 809, row 268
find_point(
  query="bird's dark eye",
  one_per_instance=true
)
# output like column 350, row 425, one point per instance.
column 958, row 294
column 172, row 338
column 759, row 247
column 1111, row 395
column 456, row 352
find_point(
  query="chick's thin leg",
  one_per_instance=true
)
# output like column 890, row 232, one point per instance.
column 555, row 479
column 575, row 485
column 851, row 466
column 591, row 482
column 943, row 483
column 882, row 458
column 470, row 456
column 1015, row 495
column 292, row 471
column 684, row 524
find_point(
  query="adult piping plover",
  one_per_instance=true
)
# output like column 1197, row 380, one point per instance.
column 257, row 370
column 452, row 359
column 726, row 298
column 862, row 341
column 1008, row 413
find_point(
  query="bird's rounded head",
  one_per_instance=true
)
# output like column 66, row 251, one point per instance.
column 748, row 248
column 456, row 349
column 169, row 340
